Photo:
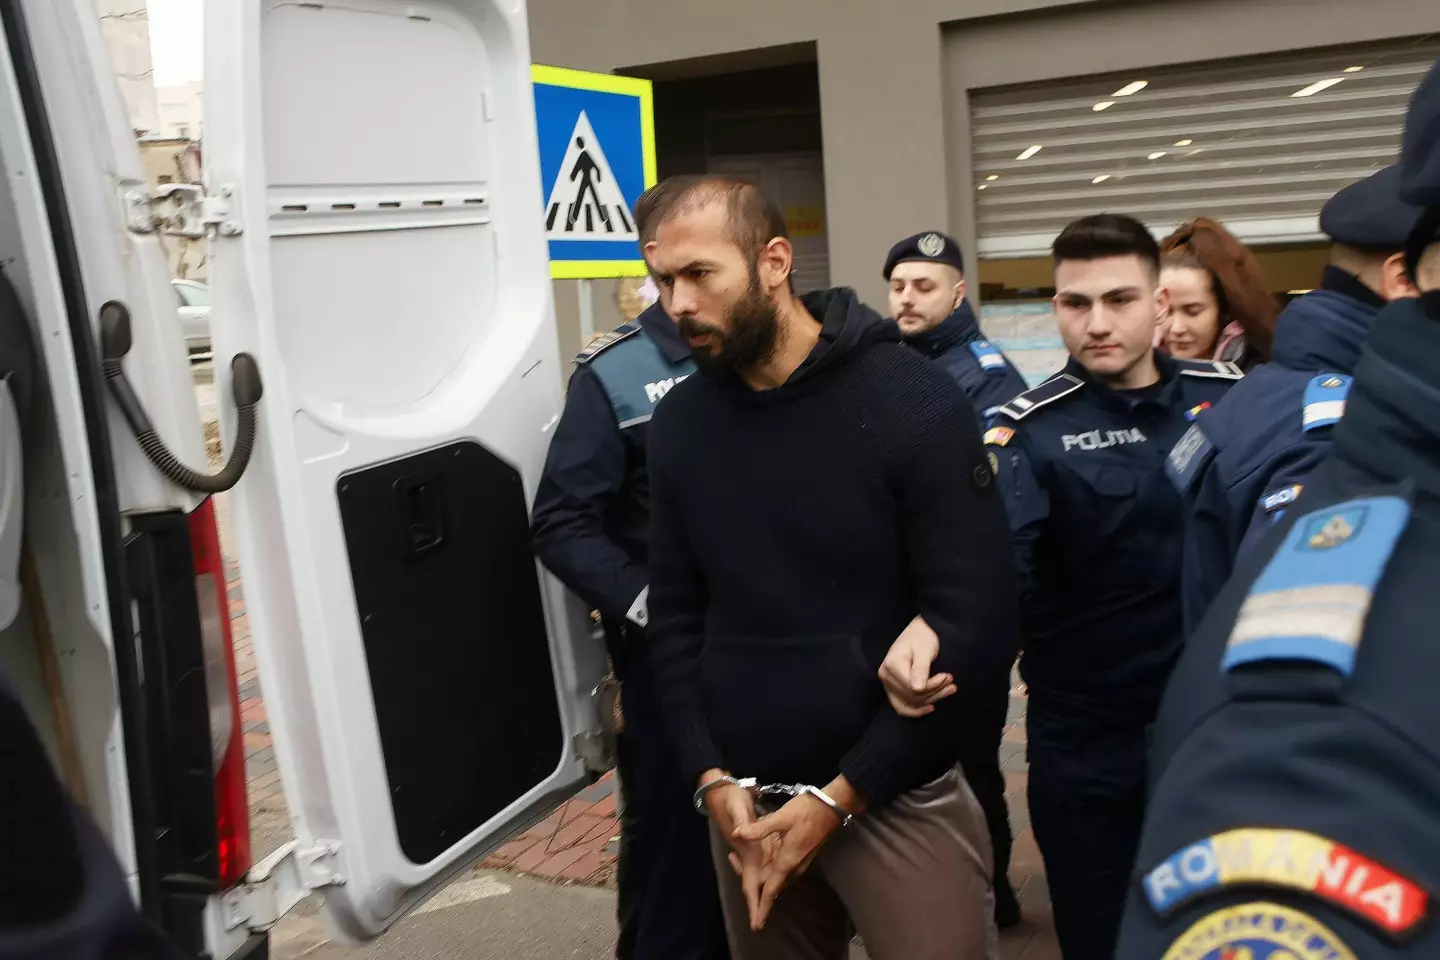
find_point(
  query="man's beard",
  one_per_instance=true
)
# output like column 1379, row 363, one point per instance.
column 754, row 333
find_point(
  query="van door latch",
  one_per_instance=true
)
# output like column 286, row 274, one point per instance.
column 181, row 210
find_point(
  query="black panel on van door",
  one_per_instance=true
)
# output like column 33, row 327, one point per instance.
column 450, row 611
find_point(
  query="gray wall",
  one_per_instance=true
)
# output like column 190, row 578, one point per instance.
column 893, row 75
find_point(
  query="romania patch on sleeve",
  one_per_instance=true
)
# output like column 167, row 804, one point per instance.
column 998, row 436
column 1258, row 931
column 1282, row 498
column 1289, row 860
column 1196, row 410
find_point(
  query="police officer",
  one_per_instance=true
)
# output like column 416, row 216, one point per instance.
column 590, row 524
column 1265, row 438
column 1295, row 756
column 927, row 299
column 1097, row 531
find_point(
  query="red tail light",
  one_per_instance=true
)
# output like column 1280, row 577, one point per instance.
column 232, row 810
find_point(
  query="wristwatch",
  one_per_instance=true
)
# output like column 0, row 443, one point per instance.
column 725, row 780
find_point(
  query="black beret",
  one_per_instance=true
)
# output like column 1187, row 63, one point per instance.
column 1420, row 153
column 1370, row 213
column 929, row 247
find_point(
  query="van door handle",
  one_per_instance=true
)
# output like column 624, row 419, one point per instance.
column 420, row 503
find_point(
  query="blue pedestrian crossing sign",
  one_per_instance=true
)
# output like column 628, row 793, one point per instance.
column 597, row 155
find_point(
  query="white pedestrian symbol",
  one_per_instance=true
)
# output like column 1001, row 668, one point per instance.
column 585, row 201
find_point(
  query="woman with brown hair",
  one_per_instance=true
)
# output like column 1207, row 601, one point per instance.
column 1220, row 308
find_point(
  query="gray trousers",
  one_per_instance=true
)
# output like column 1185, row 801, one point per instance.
column 912, row 879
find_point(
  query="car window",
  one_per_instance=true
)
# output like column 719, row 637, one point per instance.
column 192, row 294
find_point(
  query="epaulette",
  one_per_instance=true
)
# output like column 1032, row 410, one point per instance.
column 1048, row 392
column 605, row 341
column 1214, row 369
column 1332, row 561
column 1187, row 458
column 989, row 356
column 1325, row 400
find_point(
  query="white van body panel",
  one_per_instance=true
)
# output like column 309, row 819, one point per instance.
column 387, row 268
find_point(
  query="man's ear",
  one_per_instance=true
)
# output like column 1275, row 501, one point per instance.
column 959, row 294
column 1162, row 305
column 1395, row 282
column 776, row 262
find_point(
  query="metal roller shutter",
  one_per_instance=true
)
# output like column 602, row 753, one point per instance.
column 1259, row 144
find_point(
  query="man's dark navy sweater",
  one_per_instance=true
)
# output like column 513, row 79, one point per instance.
column 795, row 533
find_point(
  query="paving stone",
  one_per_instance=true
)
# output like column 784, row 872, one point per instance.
column 584, row 868
column 552, row 867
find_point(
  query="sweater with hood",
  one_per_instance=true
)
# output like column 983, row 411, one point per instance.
column 1262, row 449
column 795, row 532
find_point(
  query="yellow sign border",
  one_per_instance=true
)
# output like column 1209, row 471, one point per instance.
column 644, row 91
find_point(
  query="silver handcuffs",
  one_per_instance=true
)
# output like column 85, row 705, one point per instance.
column 789, row 790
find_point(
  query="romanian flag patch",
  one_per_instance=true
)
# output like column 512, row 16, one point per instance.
column 998, row 436
column 1194, row 412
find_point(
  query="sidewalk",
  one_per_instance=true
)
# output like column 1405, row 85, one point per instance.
column 573, row 844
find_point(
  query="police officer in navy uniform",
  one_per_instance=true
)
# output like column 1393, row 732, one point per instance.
column 590, row 522
column 927, row 299
column 1097, row 530
column 1272, row 429
column 1297, row 753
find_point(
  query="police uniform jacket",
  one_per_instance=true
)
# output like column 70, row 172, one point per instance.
column 1258, row 445
column 1096, row 528
column 592, row 509
column 1297, row 751
column 986, row 375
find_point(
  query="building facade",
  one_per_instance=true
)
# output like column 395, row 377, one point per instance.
column 999, row 120
column 125, row 25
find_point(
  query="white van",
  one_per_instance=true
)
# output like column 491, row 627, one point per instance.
column 377, row 261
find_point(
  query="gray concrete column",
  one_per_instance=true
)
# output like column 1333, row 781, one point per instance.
column 884, row 138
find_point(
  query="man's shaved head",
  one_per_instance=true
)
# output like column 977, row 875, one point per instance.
column 752, row 219
column 654, row 202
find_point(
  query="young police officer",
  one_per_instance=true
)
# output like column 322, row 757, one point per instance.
column 591, row 517
column 1097, row 531
column 1294, row 813
column 1257, row 447
column 927, row 299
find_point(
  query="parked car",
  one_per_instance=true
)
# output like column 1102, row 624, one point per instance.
column 194, row 301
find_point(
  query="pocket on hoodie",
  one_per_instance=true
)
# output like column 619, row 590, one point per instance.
column 787, row 703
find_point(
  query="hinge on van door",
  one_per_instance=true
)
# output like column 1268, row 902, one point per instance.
column 277, row 883
column 181, row 210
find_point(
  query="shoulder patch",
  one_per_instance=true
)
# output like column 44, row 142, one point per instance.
column 1048, row 392
column 1288, row 860
column 1325, row 400
column 605, row 341
column 1262, row 931
column 1312, row 600
column 1188, row 458
column 989, row 355
column 1214, row 369
column 998, row 436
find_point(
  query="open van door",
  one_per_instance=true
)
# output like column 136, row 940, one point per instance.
column 374, row 184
